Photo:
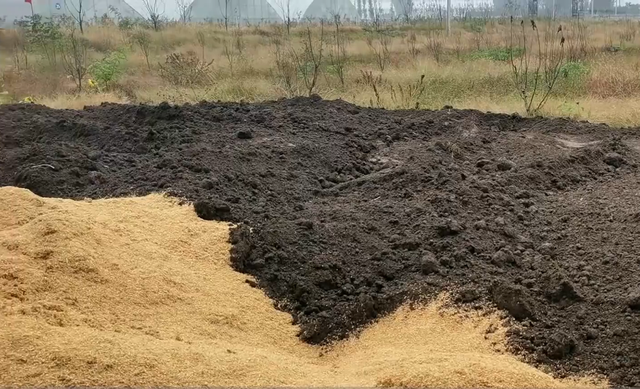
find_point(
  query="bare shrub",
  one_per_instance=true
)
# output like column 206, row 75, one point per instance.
column 309, row 60
column 142, row 39
column 17, row 42
column 202, row 40
column 286, row 70
column 74, row 57
column 379, row 46
column 186, row 70
column 338, row 53
column 229, row 53
column 408, row 96
column 155, row 10
column 374, row 82
column 457, row 46
column 628, row 33
column 577, row 42
column 184, row 10
column 412, row 44
column 535, row 76
column 77, row 12
column 435, row 45
column 238, row 41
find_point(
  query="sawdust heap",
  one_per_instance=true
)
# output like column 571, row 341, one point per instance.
column 139, row 291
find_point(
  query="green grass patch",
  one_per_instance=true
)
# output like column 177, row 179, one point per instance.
column 571, row 81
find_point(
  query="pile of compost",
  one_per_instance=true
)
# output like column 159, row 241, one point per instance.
column 344, row 213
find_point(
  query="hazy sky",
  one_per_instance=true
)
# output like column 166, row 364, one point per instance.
column 171, row 9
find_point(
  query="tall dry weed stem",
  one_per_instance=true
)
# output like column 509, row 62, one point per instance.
column 535, row 72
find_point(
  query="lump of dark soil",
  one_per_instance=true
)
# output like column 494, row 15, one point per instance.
column 591, row 334
column 547, row 249
column 502, row 257
column 468, row 295
column 244, row 134
column 208, row 184
column 307, row 224
column 212, row 210
column 480, row 225
column 560, row 345
column 614, row 159
column 251, row 283
column 450, row 227
column 482, row 162
column 563, row 290
column 428, row 263
column 505, row 164
column 513, row 299
column 633, row 301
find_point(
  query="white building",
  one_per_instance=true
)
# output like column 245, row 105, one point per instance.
column 328, row 9
column 14, row 10
column 234, row 12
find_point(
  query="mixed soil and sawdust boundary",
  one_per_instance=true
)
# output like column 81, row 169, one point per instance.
column 140, row 292
column 347, row 212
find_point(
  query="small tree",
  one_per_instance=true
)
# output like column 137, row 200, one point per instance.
column 412, row 43
column 406, row 10
column 285, row 8
column 286, row 69
column 338, row 53
column 74, row 57
column 142, row 39
column 202, row 40
column 155, row 10
column 107, row 70
column 224, row 6
column 78, row 13
column 184, row 10
column 535, row 78
column 380, row 49
column 310, row 62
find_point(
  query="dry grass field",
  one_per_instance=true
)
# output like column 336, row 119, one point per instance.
column 596, row 69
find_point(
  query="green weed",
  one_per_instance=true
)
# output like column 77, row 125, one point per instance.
column 107, row 70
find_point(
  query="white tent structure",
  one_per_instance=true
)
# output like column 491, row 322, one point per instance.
column 234, row 12
column 328, row 9
column 14, row 10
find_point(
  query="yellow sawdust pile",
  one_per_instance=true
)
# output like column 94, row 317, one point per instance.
column 139, row 291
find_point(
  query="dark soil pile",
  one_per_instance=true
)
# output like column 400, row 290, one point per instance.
column 345, row 211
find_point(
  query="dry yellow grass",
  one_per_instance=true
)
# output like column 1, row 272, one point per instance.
column 139, row 291
column 79, row 101
column 463, row 76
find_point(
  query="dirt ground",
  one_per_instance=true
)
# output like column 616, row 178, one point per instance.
column 89, row 296
column 345, row 213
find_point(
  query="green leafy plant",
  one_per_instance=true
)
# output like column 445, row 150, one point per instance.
column 107, row 70
column 46, row 36
column 572, row 77
column 574, row 70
